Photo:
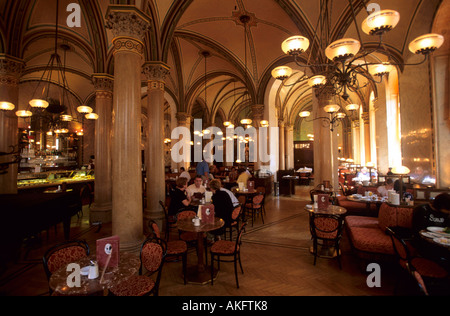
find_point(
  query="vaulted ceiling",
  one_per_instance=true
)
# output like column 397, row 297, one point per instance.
column 183, row 29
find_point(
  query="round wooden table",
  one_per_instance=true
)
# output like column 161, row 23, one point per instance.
column 369, row 201
column 128, row 265
column 201, row 273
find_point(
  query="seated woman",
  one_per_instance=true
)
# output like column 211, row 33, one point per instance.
column 223, row 206
column 178, row 198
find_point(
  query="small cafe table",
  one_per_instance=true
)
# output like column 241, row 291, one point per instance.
column 201, row 273
column 128, row 266
column 369, row 201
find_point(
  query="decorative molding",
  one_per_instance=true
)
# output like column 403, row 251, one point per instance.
column 126, row 44
column 155, row 71
column 127, row 21
column 103, row 82
column 10, row 70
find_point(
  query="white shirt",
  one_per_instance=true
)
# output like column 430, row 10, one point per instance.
column 234, row 199
column 193, row 189
column 186, row 175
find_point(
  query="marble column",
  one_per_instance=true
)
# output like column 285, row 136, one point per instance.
column 101, row 209
column 258, row 115
column 155, row 73
column 289, row 140
column 325, row 144
column 129, row 26
column 366, row 121
column 281, row 146
column 356, row 142
column 10, row 71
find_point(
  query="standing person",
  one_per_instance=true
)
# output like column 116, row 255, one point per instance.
column 178, row 198
column 244, row 175
column 203, row 169
column 223, row 206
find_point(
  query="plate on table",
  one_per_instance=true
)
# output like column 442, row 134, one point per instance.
column 435, row 229
column 442, row 241
column 309, row 206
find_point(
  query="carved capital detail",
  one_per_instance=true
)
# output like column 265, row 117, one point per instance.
column 10, row 70
column 127, row 21
column 103, row 82
column 155, row 71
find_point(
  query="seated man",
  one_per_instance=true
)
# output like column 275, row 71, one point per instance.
column 383, row 190
column 185, row 174
column 196, row 187
column 435, row 214
column 244, row 176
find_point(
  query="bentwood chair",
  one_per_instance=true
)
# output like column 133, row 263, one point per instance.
column 63, row 254
column 190, row 238
column 255, row 207
column 171, row 222
column 235, row 219
column 175, row 248
column 153, row 254
column 422, row 270
column 225, row 248
column 326, row 231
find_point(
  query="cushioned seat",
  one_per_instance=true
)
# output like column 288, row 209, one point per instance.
column 372, row 240
column 137, row 285
column 362, row 221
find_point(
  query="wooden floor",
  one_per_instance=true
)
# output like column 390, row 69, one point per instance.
column 275, row 258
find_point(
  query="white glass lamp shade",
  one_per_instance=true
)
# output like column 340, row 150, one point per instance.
column 305, row 114
column 341, row 115
column 295, row 45
column 317, row 81
column 401, row 170
column 370, row 165
column 426, row 44
column 92, row 116
column 282, row 72
column 352, row 107
column 264, row 123
column 227, row 124
column 84, row 109
column 6, row 106
column 24, row 114
column 380, row 69
column 246, row 122
column 343, row 49
column 39, row 103
column 380, row 22
column 66, row 118
column 331, row 108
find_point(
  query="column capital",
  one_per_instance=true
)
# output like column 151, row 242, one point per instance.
column 11, row 69
column 366, row 117
column 183, row 118
column 127, row 21
column 156, row 71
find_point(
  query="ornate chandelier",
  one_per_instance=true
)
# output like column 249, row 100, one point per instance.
column 341, row 66
column 56, row 111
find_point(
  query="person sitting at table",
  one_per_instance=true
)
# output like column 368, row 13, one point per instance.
column 233, row 197
column 223, row 206
column 196, row 187
column 435, row 214
column 233, row 175
column 178, row 198
column 185, row 174
column 244, row 175
column 388, row 185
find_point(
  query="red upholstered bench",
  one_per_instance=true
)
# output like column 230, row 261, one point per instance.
column 354, row 208
column 368, row 234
